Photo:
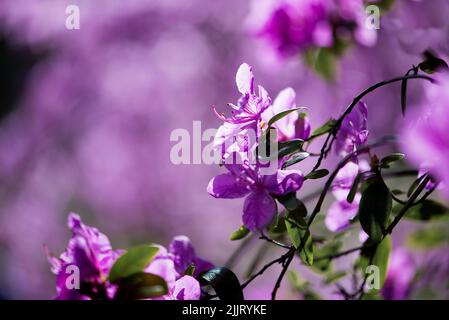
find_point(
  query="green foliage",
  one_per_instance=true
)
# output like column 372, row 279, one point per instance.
column 428, row 238
column 141, row 286
column 375, row 207
column 224, row 282
column 432, row 63
column 325, row 128
column 281, row 115
column 391, row 158
column 190, row 271
column 300, row 236
column 135, row 260
column 240, row 233
column 325, row 265
column 427, row 210
column 300, row 156
column 317, row 174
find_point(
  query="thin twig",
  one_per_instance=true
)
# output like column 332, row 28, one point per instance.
column 281, row 275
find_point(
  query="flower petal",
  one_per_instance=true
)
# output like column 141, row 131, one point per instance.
column 258, row 210
column 245, row 79
column 187, row 288
column 339, row 215
column 284, row 181
column 227, row 186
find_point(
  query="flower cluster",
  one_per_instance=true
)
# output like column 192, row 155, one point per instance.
column 91, row 253
column 246, row 178
column 424, row 136
column 292, row 26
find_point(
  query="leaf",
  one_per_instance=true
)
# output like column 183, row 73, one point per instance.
column 428, row 238
column 427, row 210
column 281, row 115
column 325, row 128
column 190, row 271
column 141, row 286
column 334, row 276
column 301, row 286
column 325, row 265
column 292, row 204
column 289, row 147
column 415, row 185
column 295, row 159
column 354, row 188
column 403, row 96
column 432, row 63
column 381, row 258
column 224, row 282
column 317, row 174
column 386, row 161
column 323, row 61
column 240, row 233
column 374, row 209
column 278, row 226
column 133, row 261
column 300, row 236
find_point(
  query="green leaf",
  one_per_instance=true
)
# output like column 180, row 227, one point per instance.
column 281, row 115
column 240, row 233
column 381, row 258
column 386, row 161
column 427, row 210
column 432, row 63
column 323, row 61
column 375, row 207
column 354, row 188
column 141, row 286
column 278, row 226
column 295, row 159
column 292, row 204
column 325, row 265
column 289, row 147
column 325, row 128
column 415, row 185
column 133, row 261
column 224, row 282
column 300, row 236
column 334, row 276
column 190, row 271
column 301, row 286
column 317, row 174
column 428, row 238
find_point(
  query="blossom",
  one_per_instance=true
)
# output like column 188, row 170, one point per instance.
column 292, row 26
column 250, row 106
column 400, row 274
column 295, row 124
column 353, row 131
column 90, row 251
column 341, row 212
column 245, row 180
column 424, row 137
column 172, row 264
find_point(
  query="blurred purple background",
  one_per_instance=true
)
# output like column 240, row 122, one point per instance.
column 87, row 114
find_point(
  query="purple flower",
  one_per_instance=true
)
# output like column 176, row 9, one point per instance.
column 341, row 212
column 91, row 252
column 250, row 106
column 295, row 124
column 293, row 26
column 172, row 264
column 400, row 274
column 353, row 131
column 424, row 137
column 245, row 180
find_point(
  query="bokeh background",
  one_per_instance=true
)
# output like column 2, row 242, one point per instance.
column 86, row 115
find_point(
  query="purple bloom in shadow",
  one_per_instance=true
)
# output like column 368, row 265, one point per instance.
column 353, row 131
column 400, row 274
column 245, row 180
column 424, row 136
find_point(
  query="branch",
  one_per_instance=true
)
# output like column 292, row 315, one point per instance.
column 333, row 133
column 281, row 275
